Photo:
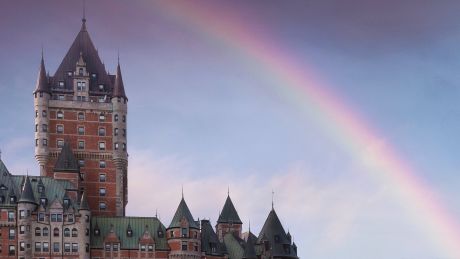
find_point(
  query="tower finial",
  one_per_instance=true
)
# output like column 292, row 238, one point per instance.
column 0, row 154
column 156, row 213
column 228, row 190
column 118, row 56
column 84, row 12
column 182, row 191
column 273, row 198
column 249, row 226
column 42, row 51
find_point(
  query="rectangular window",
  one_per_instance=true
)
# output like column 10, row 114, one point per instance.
column 12, row 234
column 44, row 114
column 59, row 216
column 124, row 132
column 124, row 146
column 22, row 246
column 101, row 87
column 81, row 130
column 101, row 145
column 22, row 214
column 184, row 232
column 36, row 127
column 67, row 247
column 102, row 206
column 81, row 163
column 142, row 247
column 36, row 113
column 61, row 83
column 11, row 250
column 81, row 116
column 101, row 117
column 74, row 247
column 45, row 247
column 102, row 178
column 38, row 247
column 36, row 142
column 10, row 216
column 115, row 132
column 70, row 219
column 115, row 247
column 123, row 118
column 60, row 115
column 107, row 248
column 184, row 246
column 22, row 229
column 102, row 164
column 101, row 131
column 81, row 144
column 45, row 142
column 44, row 128
column 41, row 216
column 60, row 143
column 60, row 128
column 115, row 146
column 150, row 248
column 56, row 247
column 53, row 218
column 101, row 191
column 61, row 97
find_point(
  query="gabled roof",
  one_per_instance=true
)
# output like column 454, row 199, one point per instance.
column 229, row 214
column 183, row 212
column 209, row 239
column 274, row 233
column 82, row 44
column 118, row 87
column 42, row 79
column 66, row 160
column 27, row 194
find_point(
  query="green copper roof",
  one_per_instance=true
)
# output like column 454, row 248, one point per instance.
column 209, row 240
column 229, row 214
column 183, row 212
column 27, row 194
column 66, row 160
column 120, row 227
column 234, row 245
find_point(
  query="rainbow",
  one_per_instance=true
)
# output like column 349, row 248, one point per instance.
column 298, row 84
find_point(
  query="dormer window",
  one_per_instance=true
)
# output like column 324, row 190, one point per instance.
column 94, row 75
column 69, row 73
column 61, row 83
column 40, row 188
column 66, row 202
column 97, row 232
column 43, row 201
column 13, row 199
column 3, row 187
column 129, row 233
column 80, row 71
column 160, row 234
column 101, row 87
column 2, row 199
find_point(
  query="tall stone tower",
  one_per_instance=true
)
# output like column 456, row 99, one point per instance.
column 85, row 106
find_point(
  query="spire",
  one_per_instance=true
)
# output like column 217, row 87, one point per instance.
column 229, row 213
column 273, row 232
column 250, row 250
column 83, row 19
column 66, row 160
column 273, row 198
column 118, row 88
column 27, row 194
column 42, row 80
column 84, row 202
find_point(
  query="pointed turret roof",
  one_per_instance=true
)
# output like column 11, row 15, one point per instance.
column 183, row 212
column 250, row 249
column 66, row 160
column 210, row 243
column 118, row 87
column 84, row 45
column 42, row 80
column 27, row 194
column 273, row 231
column 229, row 214
column 84, row 202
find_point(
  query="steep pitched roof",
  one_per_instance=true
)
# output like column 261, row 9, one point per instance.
column 118, row 88
column 82, row 44
column 234, row 246
column 250, row 250
column 210, row 244
column 183, row 212
column 42, row 79
column 229, row 214
column 84, row 202
column 274, row 233
column 27, row 194
column 66, row 160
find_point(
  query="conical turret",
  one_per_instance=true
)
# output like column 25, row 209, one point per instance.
column 118, row 88
column 42, row 79
column 27, row 194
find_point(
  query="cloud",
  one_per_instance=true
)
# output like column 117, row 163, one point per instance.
column 326, row 212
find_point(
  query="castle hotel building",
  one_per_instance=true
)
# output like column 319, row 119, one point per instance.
column 76, row 207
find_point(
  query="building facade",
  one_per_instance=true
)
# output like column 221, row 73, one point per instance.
column 76, row 207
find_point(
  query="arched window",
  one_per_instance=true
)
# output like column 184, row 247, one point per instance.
column 67, row 232
column 56, row 232
column 45, row 231
column 74, row 232
column 38, row 232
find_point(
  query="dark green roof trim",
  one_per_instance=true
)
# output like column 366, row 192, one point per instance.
column 229, row 214
column 183, row 212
